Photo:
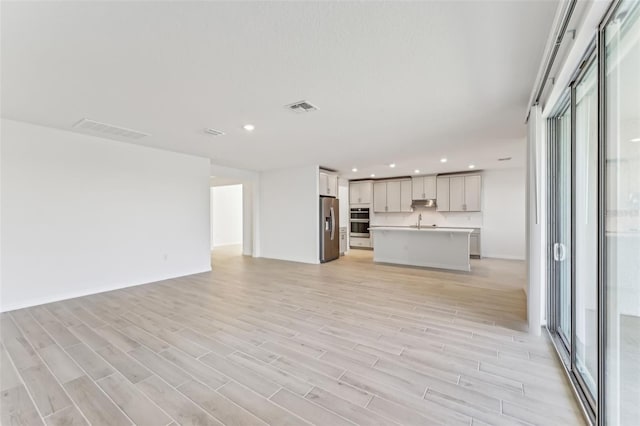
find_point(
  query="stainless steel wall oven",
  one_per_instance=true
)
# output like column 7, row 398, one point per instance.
column 359, row 222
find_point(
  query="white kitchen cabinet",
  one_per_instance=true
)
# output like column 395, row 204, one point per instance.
column 442, row 198
column 405, row 196
column 464, row 193
column 474, row 244
column 472, row 191
column 360, row 192
column 423, row 188
column 392, row 196
column 360, row 242
column 380, row 197
column 456, row 194
column 328, row 184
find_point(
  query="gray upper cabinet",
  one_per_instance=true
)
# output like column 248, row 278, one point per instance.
column 380, row 197
column 472, row 193
column 464, row 194
column 456, row 194
column 328, row 184
column 392, row 196
column 423, row 188
column 360, row 192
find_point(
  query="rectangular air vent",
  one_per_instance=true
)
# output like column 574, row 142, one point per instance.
column 214, row 132
column 301, row 106
column 504, row 159
column 108, row 129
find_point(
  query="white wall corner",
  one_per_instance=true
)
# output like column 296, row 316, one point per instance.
column 535, row 219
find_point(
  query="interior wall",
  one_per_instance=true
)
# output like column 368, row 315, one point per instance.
column 226, row 215
column 503, row 210
column 289, row 214
column 536, row 220
column 82, row 214
column 502, row 219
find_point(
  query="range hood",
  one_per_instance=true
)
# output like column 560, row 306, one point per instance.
column 423, row 203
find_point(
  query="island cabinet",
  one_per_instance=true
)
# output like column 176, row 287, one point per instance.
column 445, row 248
column 392, row 196
column 459, row 193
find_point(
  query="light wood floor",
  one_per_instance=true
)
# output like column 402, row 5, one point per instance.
column 260, row 341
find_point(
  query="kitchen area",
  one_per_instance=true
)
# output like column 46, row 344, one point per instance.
column 436, row 220
column 427, row 220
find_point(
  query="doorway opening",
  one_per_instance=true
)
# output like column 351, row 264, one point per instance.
column 227, row 220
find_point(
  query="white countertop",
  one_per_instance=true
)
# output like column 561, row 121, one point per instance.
column 422, row 229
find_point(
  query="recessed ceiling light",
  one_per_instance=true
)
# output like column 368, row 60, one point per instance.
column 392, row 165
column 372, row 175
column 635, row 140
column 471, row 166
column 443, row 160
column 354, row 170
column 249, row 127
column 416, row 171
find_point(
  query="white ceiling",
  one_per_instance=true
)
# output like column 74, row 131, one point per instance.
column 395, row 81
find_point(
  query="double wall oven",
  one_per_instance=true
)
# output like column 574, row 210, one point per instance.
column 359, row 222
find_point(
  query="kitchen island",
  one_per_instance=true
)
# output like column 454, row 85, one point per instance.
column 444, row 248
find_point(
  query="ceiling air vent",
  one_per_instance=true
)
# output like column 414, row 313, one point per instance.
column 504, row 159
column 214, row 132
column 108, row 129
column 301, row 106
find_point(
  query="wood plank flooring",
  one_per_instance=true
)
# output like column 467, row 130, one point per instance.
column 265, row 342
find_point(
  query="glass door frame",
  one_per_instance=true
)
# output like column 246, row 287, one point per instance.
column 554, row 129
column 591, row 57
column 566, row 349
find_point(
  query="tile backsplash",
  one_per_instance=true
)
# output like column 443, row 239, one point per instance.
column 429, row 217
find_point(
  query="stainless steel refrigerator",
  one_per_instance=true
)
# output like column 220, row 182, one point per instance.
column 329, row 229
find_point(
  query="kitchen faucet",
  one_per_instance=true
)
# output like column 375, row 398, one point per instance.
column 419, row 220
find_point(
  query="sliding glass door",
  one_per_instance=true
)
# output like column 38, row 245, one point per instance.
column 585, row 228
column 621, row 254
column 573, row 257
column 561, row 230
column 594, row 222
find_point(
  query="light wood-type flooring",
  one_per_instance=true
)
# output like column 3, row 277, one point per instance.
column 260, row 341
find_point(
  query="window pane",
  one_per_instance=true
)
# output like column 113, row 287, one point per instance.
column 622, row 215
column 586, row 227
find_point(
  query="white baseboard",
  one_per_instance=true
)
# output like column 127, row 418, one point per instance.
column 502, row 256
column 44, row 300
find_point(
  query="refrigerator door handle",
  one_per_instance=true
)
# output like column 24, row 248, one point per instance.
column 333, row 223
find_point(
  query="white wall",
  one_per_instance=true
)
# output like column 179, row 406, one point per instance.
column 82, row 215
column 536, row 222
column 226, row 215
column 504, row 224
column 289, row 214
column 502, row 219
